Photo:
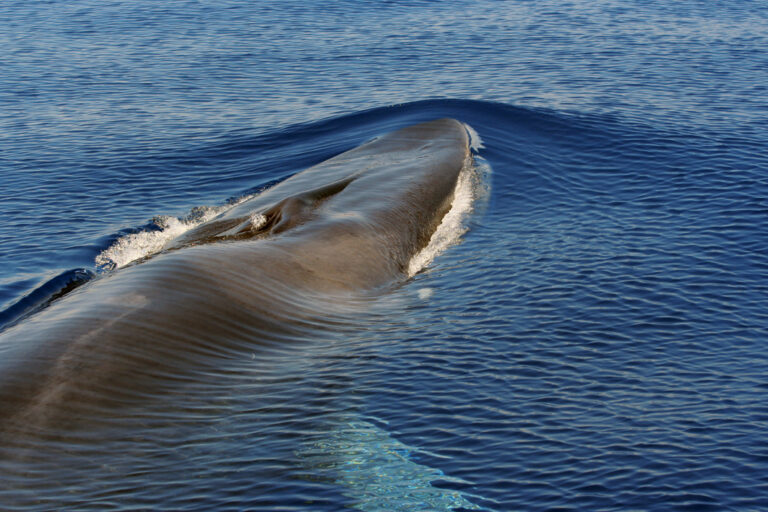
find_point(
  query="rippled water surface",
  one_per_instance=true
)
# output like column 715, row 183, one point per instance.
column 595, row 342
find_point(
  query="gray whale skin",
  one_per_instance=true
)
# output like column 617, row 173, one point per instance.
column 269, row 270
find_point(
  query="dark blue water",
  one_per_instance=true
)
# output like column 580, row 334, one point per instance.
column 595, row 342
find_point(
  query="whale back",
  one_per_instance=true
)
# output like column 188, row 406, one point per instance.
column 268, row 272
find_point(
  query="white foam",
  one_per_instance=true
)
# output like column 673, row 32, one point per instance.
column 258, row 220
column 139, row 245
column 475, row 142
column 470, row 186
column 425, row 293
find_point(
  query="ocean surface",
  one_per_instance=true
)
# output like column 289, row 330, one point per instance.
column 594, row 337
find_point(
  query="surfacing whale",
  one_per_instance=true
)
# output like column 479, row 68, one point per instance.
column 271, row 269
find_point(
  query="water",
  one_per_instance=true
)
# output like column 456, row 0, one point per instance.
column 595, row 342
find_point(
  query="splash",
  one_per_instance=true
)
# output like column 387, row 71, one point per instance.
column 258, row 220
column 471, row 185
column 136, row 246
column 475, row 142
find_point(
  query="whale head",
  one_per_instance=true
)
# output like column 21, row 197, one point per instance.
column 359, row 217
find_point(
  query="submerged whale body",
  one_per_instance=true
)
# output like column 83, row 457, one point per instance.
column 267, row 270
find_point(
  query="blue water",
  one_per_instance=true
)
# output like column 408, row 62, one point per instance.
column 595, row 342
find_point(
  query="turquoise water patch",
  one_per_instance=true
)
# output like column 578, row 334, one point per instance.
column 379, row 473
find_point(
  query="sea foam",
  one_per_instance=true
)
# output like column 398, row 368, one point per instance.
column 471, row 185
column 135, row 246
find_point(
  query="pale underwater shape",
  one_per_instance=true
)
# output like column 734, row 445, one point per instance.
column 378, row 472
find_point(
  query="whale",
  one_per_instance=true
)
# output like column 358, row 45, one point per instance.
column 275, row 268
